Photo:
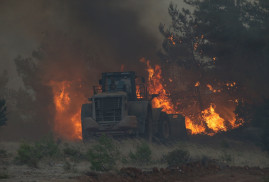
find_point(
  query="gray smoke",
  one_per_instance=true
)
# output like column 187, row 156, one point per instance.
column 71, row 40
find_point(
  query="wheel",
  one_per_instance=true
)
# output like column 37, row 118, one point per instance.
column 164, row 128
column 148, row 126
column 85, row 112
column 85, row 135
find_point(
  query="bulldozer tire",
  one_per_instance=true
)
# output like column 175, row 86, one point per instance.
column 85, row 135
column 164, row 128
column 85, row 112
column 148, row 125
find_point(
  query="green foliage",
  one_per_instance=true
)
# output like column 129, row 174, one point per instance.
column 104, row 155
column 31, row 154
column 27, row 154
column 142, row 154
column 47, row 147
column 177, row 157
column 72, row 152
column 3, row 110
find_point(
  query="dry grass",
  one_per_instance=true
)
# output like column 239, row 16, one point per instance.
column 233, row 153
column 230, row 152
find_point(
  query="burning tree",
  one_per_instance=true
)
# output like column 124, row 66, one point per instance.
column 227, row 40
column 211, row 51
column 218, row 57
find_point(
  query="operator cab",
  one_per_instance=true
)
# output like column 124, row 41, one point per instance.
column 112, row 82
column 119, row 81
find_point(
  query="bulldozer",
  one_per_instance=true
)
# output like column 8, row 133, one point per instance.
column 120, row 106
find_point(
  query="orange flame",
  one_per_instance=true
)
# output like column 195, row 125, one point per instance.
column 232, row 84
column 194, row 128
column 210, row 122
column 214, row 58
column 138, row 92
column 67, row 120
column 212, row 89
column 155, row 86
column 171, row 38
column 213, row 120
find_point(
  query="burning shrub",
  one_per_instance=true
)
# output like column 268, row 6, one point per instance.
column 215, row 116
column 177, row 157
column 31, row 154
column 103, row 156
column 142, row 154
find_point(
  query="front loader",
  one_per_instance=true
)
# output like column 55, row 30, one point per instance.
column 119, row 106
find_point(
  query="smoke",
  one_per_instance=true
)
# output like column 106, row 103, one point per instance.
column 74, row 41
column 70, row 41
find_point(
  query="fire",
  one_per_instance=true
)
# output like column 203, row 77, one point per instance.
column 212, row 89
column 214, row 58
column 171, row 38
column 213, row 120
column 207, row 122
column 138, row 92
column 67, row 111
column 62, row 99
column 232, row 84
column 156, row 87
column 194, row 128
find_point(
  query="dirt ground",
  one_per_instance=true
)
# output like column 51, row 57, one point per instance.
column 191, row 173
column 247, row 163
